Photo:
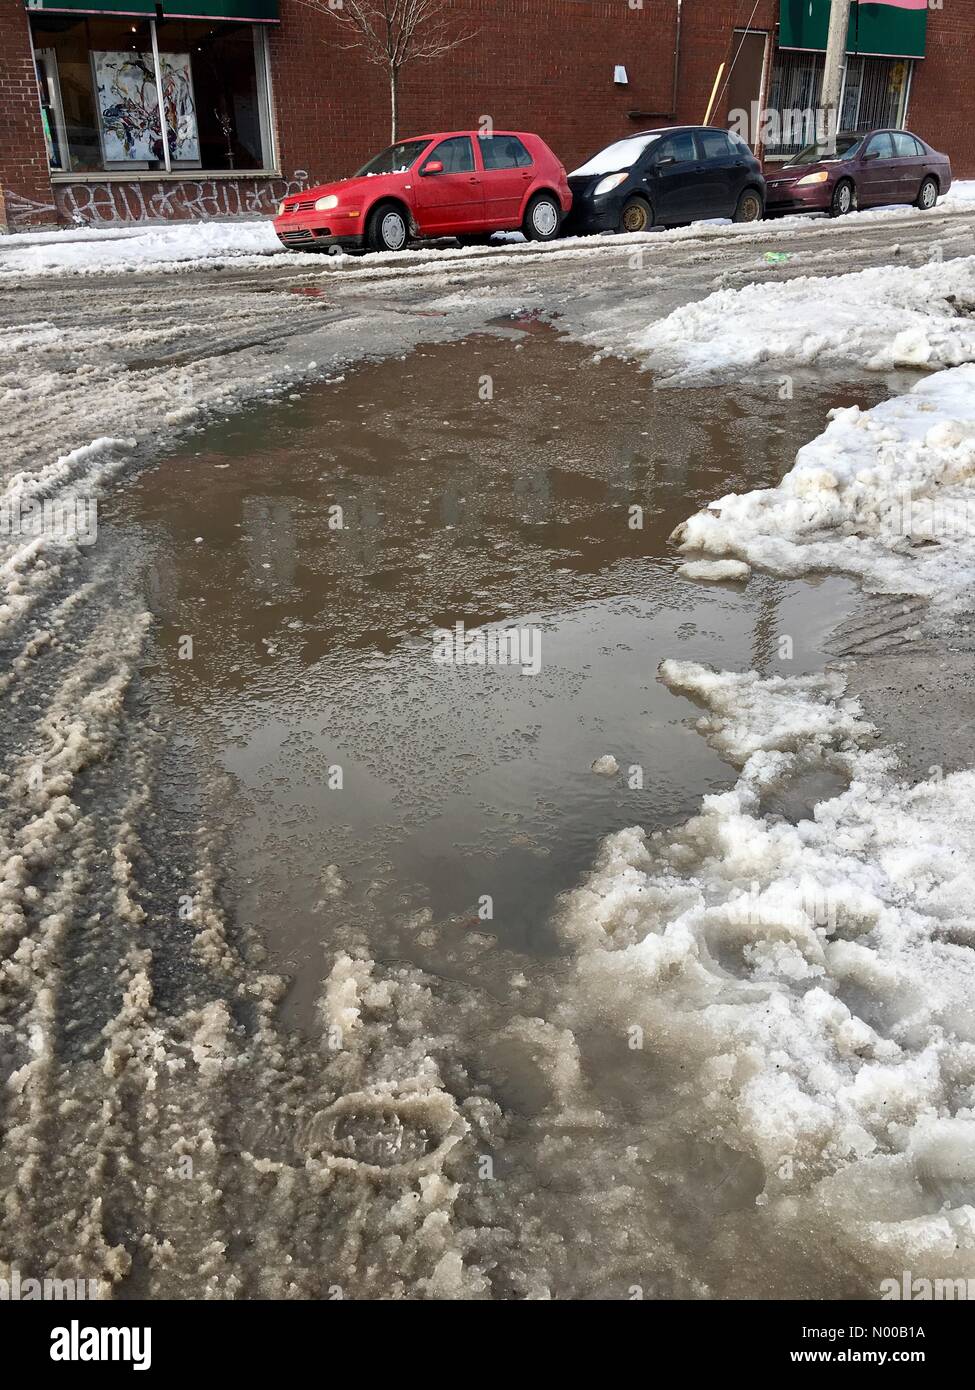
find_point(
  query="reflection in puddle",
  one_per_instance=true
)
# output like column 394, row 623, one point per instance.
column 312, row 551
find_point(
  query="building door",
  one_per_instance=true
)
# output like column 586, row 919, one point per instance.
column 745, row 96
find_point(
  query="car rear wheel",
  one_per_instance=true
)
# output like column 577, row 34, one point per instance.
column 750, row 206
column 843, row 200
column 928, row 195
column 637, row 216
column 543, row 217
column 387, row 230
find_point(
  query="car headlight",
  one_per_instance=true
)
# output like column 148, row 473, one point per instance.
column 323, row 204
column 610, row 182
column 821, row 177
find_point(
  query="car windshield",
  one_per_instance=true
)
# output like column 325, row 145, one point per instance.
column 622, row 155
column 396, row 160
column 820, row 153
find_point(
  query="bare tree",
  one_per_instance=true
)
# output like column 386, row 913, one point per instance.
column 393, row 33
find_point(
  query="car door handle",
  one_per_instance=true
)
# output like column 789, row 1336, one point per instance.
column 474, row 180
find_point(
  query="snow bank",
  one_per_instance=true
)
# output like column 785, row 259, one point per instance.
column 962, row 192
column 811, row 984
column 84, row 250
column 883, row 318
column 887, row 495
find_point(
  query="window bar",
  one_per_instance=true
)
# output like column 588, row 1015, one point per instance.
column 163, row 127
column 903, row 96
column 265, row 101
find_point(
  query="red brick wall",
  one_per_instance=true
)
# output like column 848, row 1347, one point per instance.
column 25, row 188
column 942, row 102
column 541, row 65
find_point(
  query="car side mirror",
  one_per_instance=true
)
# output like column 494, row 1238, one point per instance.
column 432, row 166
column 664, row 160
column 872, row 154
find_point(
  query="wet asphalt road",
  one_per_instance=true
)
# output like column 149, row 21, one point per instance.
column 137, row 355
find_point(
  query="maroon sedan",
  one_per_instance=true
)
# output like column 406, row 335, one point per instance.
column 867, row 171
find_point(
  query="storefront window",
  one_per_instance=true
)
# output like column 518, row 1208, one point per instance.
column 100, row 81
column 874, row 95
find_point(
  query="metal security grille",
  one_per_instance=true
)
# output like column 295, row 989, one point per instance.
column 874, row 94
column 794, row 93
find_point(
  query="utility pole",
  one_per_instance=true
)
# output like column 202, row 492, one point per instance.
column 839, row 23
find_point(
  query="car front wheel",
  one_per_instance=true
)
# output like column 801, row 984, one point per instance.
column 636, row 216
column 543, row 217
column 928, row 195
column 387, row 230
column 750, row 206
column 843, row 200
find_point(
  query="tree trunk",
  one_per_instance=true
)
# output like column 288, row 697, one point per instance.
column 393, row 104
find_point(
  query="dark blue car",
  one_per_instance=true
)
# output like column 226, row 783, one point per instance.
column 666, row 177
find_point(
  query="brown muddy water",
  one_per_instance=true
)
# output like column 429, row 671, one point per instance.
column 371, row 797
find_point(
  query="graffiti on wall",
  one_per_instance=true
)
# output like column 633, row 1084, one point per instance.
column 119, row 204
column 116, row 204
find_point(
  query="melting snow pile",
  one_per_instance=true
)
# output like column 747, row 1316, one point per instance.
column 811, row 984
column 885, row 318
column 87, row 249
column 884, row 494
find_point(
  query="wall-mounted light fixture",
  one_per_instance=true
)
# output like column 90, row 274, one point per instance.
column 619, row 75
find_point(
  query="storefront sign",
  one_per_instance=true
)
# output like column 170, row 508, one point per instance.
column 255, row 11
column 887, row 28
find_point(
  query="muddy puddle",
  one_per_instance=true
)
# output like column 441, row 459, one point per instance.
column 298, row 562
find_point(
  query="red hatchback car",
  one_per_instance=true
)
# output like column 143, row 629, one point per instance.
column 462, row 183
column 867, row 171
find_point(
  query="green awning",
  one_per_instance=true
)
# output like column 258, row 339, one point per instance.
column 886, row 28
column 256, row 11
column 82, row 7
